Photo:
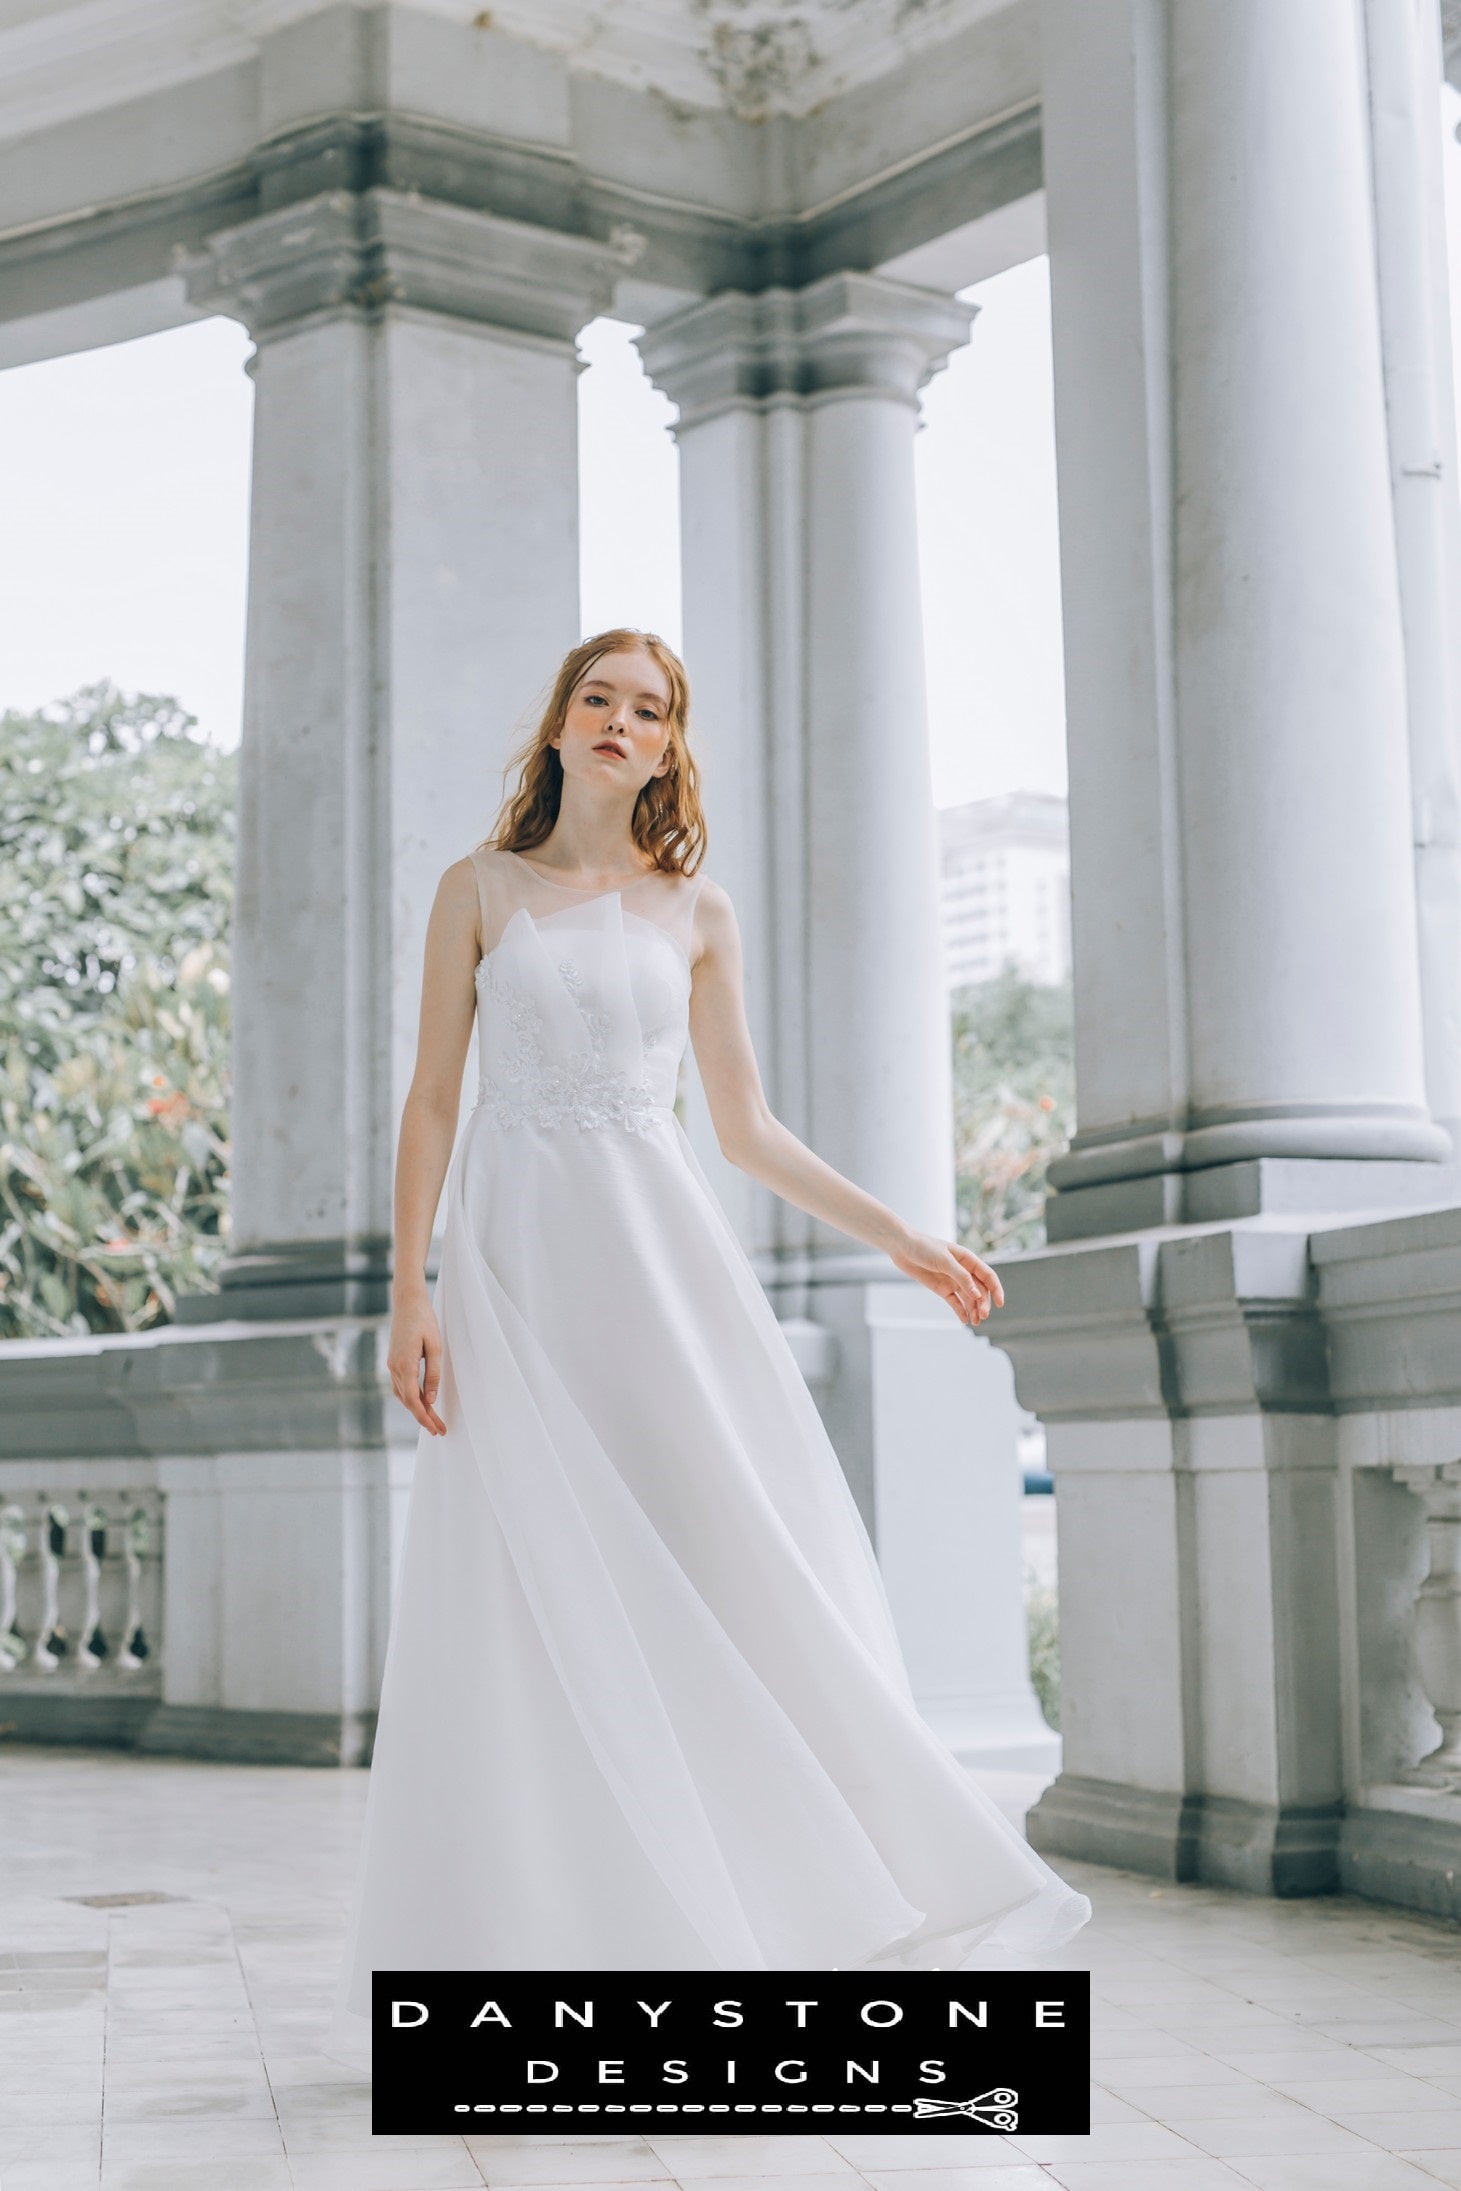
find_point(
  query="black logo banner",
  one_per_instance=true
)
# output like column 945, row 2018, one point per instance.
column 558, row 2051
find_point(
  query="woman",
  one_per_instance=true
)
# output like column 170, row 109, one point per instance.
column 643, row 1706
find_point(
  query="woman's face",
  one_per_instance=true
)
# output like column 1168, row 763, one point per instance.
column 616, row 729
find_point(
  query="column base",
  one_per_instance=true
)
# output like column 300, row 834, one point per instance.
column 1262, row 1848
column 293, row 1278
column 1254, row 1187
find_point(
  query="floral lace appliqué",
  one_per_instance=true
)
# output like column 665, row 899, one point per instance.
column 582, row 1091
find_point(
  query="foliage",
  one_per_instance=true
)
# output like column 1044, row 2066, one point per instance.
column 1014, row 1105
column 1042, row 1629
column 116, row 847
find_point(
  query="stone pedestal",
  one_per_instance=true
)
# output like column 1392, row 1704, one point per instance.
column 1182, row 1387
column 947, row 1495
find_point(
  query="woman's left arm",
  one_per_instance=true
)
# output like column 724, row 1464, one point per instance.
column 755, row 1141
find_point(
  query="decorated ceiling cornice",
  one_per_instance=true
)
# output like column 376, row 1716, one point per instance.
column 751, row 58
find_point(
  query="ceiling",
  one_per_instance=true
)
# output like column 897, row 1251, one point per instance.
column 752, row 58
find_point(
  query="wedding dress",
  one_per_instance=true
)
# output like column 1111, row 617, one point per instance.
column 643, row 1704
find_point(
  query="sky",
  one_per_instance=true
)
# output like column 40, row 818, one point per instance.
column 124, row 552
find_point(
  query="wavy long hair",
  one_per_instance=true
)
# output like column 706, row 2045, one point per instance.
column 668, row 821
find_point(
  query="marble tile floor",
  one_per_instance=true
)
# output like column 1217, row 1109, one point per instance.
column 172, row 2044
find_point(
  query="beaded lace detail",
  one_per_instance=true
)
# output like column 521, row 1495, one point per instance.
column 529, row 1085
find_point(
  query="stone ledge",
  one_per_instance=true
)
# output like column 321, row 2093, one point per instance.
column 259, row 1738
column 198, row 1390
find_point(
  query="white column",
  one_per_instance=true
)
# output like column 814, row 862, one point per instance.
column 1248, row 999
column 803, row 636
column 878, row 1013
column 413, row 582
column 803, row 624
column 1404, row 54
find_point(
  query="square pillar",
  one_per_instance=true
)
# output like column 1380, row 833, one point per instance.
column 413, row 581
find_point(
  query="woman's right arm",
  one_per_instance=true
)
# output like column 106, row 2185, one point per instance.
column 428, row 1129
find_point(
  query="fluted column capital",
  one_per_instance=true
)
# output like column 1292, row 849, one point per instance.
column 845, row 334
column 368, row 251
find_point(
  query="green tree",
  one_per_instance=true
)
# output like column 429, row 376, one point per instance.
column 116, row 853
column 1014, row 1105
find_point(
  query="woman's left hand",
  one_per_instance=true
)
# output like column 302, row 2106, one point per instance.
column 957, row 1275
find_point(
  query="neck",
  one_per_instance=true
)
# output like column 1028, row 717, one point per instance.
column 596, row 841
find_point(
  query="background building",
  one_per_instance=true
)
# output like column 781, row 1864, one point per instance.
column 1005, row 887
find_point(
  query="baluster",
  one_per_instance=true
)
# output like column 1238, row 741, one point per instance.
column 1438, row 1618
column 93, row 1551
column 136, row 1539
column 53, row 1643
column 12, row 1552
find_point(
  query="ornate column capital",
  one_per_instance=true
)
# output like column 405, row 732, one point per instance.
column 367, row 251
column 845, row 334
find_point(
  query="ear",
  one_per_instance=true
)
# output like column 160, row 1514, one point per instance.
column 662, row 765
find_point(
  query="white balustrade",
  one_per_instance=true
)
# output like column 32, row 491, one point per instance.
column 80, row 1591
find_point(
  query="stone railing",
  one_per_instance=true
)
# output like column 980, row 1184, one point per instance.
column 198, row 1527
column 1256, row 1436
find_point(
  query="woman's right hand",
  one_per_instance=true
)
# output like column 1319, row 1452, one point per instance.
column 416, row 1338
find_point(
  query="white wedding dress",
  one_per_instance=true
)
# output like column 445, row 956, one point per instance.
column 643, row 1705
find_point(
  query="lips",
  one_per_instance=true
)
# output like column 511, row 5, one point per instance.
column 610, row 745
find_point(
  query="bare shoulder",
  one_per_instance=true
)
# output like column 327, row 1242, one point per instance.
column 456, row 916
column 458, row 885
column 716, row 932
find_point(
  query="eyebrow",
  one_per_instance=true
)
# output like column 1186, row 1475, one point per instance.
column 604, row 684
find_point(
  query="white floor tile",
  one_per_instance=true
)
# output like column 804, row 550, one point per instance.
column 199, row 2175
column 1137, row 2141
column 453, row 2170
column 1437, row 2167
column 555, row 2162
column 1332, row 2172
column 691, row 2159
column 867, row 2151
column 1295, row 2132
column 1410, row 2132
column 1006, row 2176
column 1180, row 2175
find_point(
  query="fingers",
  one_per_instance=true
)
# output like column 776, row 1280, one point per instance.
column 986, row 1275
column 431, row 1382
column 973, row 1293
column 417, row 1394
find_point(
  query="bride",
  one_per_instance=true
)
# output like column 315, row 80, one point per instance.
column 643, row 1705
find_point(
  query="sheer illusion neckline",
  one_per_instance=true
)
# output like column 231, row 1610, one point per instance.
column 582, row 890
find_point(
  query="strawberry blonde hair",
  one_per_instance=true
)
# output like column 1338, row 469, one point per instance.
column 668, row 821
